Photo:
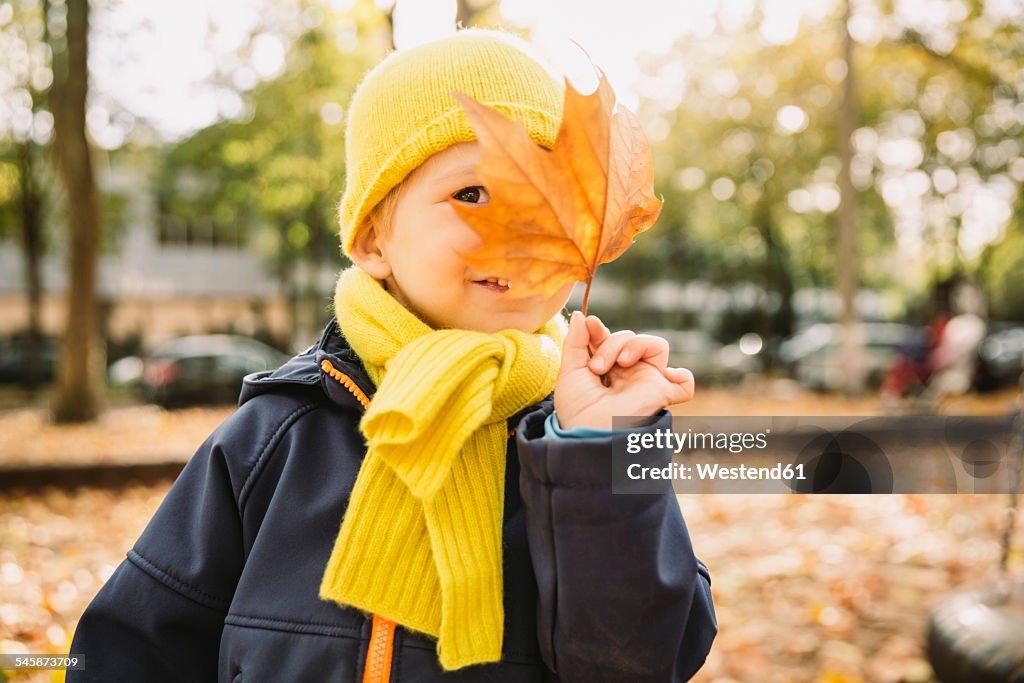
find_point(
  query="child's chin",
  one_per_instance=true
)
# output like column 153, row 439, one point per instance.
column 499, row 322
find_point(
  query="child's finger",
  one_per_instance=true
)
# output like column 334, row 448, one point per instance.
column 679, row 376
column 681, row 387
column 597, row 330
column 574, row 348
column 608, row 350
column 644, row 347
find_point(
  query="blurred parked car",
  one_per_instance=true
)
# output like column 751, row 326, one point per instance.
column 1001, row 357
column 14, row 360
column 815, row 354
column 708, row 360
column 126, row 372
column 204, row 369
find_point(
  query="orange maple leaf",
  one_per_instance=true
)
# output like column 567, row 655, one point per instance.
column 555, row 216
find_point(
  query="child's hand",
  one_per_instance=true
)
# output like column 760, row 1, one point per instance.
column 640, row 381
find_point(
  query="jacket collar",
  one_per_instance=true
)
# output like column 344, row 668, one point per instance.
column 307, row 370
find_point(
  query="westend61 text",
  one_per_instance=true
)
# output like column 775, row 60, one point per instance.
column 691, row 440
column 708, row 471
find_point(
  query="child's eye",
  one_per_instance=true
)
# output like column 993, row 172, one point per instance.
column 475, row 194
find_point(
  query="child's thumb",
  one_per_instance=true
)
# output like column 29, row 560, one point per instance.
column 575, row 351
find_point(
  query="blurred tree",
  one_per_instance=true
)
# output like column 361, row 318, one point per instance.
column 31, row 200
column 738, row 126
column 744, row 125
column 947, row 152
column 80, row 370
column 23, row 171
column 971, row 96
column 273, row 179
column 388, row 8
column 29, row 208
column 1003, row 276
column 853, row 360
column 475, row 12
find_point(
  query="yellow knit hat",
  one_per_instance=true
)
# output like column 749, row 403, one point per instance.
column 403, row 111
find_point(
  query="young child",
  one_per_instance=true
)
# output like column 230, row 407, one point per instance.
column 403, row 500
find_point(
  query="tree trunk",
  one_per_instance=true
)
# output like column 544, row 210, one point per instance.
column 777, row 277
column 852, row 349
column 468, row 12
column 80, row 368
column 32, row 248
column 389, row 15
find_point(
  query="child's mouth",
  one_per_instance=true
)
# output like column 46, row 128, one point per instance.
column 494, row 284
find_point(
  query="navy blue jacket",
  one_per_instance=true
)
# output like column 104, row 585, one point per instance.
column 223, row 583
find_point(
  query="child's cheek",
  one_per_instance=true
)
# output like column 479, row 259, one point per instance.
column 458, row 233
column 467, row 239
column 561, row 297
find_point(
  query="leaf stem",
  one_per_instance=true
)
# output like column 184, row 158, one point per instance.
column 605, row 380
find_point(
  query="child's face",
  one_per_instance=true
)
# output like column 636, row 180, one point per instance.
column 419, row 261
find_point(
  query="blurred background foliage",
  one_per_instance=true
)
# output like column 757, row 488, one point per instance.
column 746, row 151
column 271, row 178
column 741, row 109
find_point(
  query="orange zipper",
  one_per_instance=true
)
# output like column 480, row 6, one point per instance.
column 382, row 633
column 345, row 381
column 378, row 656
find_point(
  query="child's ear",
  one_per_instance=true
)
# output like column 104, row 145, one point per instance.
column 368, row 251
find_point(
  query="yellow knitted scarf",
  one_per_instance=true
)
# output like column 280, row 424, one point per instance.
column 420, row 543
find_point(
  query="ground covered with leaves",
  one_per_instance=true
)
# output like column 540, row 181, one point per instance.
column 807, row 589
column 143, row 433
column 147, row 433
column 832, row 589
column 57, row 548
column 836, row 589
